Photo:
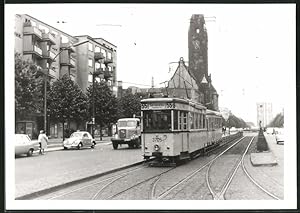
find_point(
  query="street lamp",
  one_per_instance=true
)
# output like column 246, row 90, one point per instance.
column 47, row 74
column 95, row 74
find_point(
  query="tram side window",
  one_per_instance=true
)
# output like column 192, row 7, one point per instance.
column 192, row 120
column 184, row 120
column 196, row 120
column 201, row 121
column 175, row 114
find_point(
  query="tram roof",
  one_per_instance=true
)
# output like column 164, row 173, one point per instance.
column 178, row 100
column 211, row 112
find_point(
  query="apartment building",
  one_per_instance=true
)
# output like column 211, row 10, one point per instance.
column 96, row 55
column 52, row 51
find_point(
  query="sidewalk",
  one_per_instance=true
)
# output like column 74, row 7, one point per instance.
column 266, row 158
column 55, row 144
column 264, row 171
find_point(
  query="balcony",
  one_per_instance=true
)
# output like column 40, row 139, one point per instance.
column 99, row 56
column 72, row 62
column 108, row 61
column 68, row 45
column 66, row 61
column 31, row 30
column 33, row 50
column 49, row 38
column 49, row 55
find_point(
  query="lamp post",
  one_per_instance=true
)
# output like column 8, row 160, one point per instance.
column 94, row 74
column 46, row 78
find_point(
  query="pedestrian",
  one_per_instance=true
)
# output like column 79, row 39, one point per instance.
column 43, row 140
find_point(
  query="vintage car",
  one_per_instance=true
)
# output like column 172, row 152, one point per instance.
column 279, row 136
column 128, row 132
column 24, row 145
column 79, row 139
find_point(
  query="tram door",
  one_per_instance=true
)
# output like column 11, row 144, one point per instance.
column 185, row 142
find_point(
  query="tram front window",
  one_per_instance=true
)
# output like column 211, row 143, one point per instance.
column 157, row 121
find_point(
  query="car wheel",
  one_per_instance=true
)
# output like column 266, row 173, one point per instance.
column 65, row 148
column 30, row 152
column 93, row 146
column 79, row 146
column 131, row 145
column 115, row 145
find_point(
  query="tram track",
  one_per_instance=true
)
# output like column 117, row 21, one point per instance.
column 239, row 164
column 101, row 189
column 113, row 178
column 192, row 174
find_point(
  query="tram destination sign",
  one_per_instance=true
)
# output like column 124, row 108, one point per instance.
column 160, row 105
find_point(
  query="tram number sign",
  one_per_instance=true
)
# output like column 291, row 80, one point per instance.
column 159, row 139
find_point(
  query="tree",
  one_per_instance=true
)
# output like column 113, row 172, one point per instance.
column 129, row 105
column 28, row 88
column 105, row 105
column 278, row 121
column 67, row 102
column 234, row 121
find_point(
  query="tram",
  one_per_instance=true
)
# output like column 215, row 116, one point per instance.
column 174, row 129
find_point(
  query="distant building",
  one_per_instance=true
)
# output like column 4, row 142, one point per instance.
column 264, row 114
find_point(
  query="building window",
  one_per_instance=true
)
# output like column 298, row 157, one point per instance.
column 97, row 49
column 197, row 30
column 109, row 68
column 90, row 78
column 41, row 27
column 64, row 39
column 47, row 65
column 109, row 82
column 90, row 62
column 33, row 24
column 98, row 79
column 90, row 46
column 97, row 65
column 102, row 66
column 109, row 55
column 103, row 52
column 54, row 33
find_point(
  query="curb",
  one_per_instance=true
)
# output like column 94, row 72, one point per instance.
column 74, row 182
column 263, row 159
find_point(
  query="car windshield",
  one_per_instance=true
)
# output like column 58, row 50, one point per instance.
column 127, row 124
column 76, row 134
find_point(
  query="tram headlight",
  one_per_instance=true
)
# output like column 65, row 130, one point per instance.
column 156, row 147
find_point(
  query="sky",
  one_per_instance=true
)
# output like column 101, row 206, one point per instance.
column 251, row 48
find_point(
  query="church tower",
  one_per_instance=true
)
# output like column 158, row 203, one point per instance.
column 198, row 60
column 197, row 43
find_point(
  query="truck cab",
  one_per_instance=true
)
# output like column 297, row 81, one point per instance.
column 128, row 132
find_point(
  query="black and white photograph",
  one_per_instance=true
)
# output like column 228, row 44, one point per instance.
column 150, row 106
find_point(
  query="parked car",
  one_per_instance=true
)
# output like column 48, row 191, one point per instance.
column 79, row 139
column 24, row 145
column 279, row 135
